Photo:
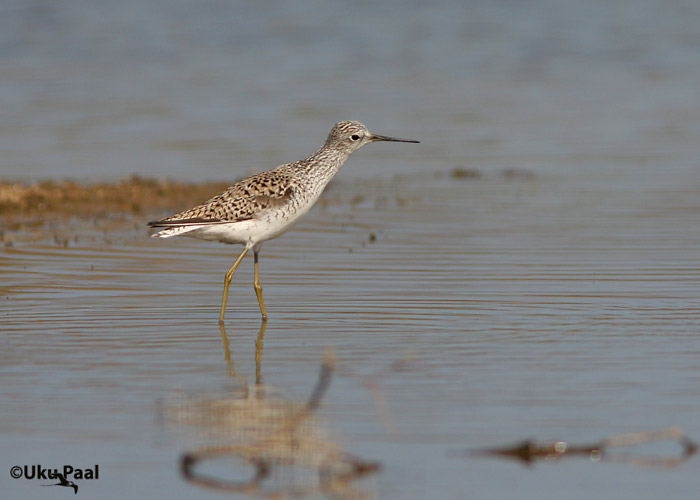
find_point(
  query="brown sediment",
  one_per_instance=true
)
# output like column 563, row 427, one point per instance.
column 132, row 195
column 67, row 212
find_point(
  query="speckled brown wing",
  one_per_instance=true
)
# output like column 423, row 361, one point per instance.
column 245, row 200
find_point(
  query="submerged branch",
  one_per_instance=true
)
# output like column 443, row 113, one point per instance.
column 530, row 451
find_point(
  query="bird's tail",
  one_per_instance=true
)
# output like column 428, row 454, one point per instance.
column 174, row 231
column 169, row 228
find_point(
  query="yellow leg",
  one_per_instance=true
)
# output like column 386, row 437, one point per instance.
column 227, row 282
column 258, row 287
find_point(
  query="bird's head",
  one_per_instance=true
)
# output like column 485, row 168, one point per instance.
column 351, row 135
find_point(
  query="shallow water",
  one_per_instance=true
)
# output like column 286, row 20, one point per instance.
column 524, row 312
column 553, row 296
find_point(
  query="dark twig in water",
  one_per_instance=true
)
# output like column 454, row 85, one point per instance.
column 530, row 451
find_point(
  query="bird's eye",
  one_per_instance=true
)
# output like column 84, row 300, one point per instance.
column 355, row 137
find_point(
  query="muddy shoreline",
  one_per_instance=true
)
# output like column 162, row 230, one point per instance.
column 132, row 195
column 61, row 212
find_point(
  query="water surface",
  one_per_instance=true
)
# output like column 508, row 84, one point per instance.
column 525, row 312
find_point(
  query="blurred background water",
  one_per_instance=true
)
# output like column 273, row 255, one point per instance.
column 212, row 90
column 554, row 295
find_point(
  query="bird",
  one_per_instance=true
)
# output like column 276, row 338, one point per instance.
column 266, row 205
column 64, row 482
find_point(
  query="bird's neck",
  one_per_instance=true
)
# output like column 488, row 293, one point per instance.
column 324, row 163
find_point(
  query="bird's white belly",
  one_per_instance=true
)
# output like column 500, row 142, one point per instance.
column 253, row 231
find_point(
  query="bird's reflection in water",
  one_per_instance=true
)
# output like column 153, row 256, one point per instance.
column 258, row 353
column 277, row 445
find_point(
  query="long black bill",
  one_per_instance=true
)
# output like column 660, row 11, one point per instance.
column 376, row 137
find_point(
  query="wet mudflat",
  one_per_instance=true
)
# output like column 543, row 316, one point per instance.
column 521, row 306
